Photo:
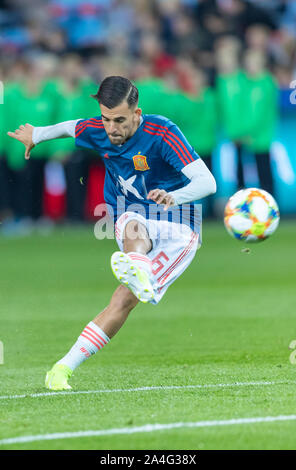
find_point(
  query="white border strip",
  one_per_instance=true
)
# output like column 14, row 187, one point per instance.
column 146, row 428
column 145, row 389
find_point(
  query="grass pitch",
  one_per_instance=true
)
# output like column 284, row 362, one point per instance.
column 223, row 328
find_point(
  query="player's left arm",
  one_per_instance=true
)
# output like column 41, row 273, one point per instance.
column 180, row 154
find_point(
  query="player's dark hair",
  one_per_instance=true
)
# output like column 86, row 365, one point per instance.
column 114, row 90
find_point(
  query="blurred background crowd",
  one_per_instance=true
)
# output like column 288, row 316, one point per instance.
column 222, row 70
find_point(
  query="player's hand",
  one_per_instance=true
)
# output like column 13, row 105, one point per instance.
column 24, row 135
column 160, row 196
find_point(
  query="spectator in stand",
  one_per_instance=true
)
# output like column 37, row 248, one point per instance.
column 186, row 37
column 231, row 98
column 167, row 11
column 35, row 103
column 27, row 97
column 288, row 18
column 196, row 114
column 72, row 98
column 152, row 91
column 4, row 201
column 240, row 14
column 261, row 110
column 230, row 85
column 167, row 47
column 258, row 37
column 152, row 50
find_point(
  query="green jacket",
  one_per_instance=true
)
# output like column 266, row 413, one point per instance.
column 152, row 96
column 20, row 108
column 69, row 105
column 197, row 118
column 232, row 102
column 262, row 111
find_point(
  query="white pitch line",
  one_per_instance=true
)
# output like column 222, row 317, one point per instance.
column 144, row 389
column 146, row 428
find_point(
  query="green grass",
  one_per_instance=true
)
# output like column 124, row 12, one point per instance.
column 229, row 318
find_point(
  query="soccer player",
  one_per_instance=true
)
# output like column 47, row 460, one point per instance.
column 152, row 172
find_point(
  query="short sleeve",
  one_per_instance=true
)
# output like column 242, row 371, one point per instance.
column 176, row 150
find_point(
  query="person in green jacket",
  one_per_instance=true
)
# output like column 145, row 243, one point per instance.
column 195, row 112
column 73, row 98
column 261, row 109
column 247, row 103
column 14, row 188
column 152, row 90
column 231, row 94
column 29, row 99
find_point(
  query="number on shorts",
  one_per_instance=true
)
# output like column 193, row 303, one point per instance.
column 157, row 261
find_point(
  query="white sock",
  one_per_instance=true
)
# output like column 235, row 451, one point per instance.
column 91, row 340
column 142, row 261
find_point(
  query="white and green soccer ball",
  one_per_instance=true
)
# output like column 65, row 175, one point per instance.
column 251, row 215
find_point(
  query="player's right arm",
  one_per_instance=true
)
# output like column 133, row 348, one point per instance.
column 31, row 136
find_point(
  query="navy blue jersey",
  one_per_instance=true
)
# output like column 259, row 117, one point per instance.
column 152, row 158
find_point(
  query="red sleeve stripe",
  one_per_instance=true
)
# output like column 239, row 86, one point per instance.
column 87, row 125
column 168, row 142
column 90, row 121
column 175, row 137
column 175, row 145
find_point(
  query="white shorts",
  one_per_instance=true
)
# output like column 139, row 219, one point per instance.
column 173, row 248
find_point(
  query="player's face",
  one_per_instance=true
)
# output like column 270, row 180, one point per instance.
column 121, row 122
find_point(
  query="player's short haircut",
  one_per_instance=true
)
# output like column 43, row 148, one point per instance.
column 114, row 90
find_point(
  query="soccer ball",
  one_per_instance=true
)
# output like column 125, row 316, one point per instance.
column 251, row 215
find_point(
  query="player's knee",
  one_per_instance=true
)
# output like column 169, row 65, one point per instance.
column 136, row 237
column 135, row 230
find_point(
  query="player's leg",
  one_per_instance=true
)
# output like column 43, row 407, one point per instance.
column 98, row 332
column 111, row 319
column 93, row 338
column 131, row 266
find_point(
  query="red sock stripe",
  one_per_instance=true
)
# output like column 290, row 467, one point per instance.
column 99, row 337
column 151, row 124
column 89, row 339
column 168, row 142
column 97, row 126
column 91, row 120
column 164, row 276
column 94, row 338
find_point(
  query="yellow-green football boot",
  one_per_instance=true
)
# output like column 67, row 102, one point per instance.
column 57, row 377
column 127, row 273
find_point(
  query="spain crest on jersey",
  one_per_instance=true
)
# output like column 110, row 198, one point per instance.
column 140, row 162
